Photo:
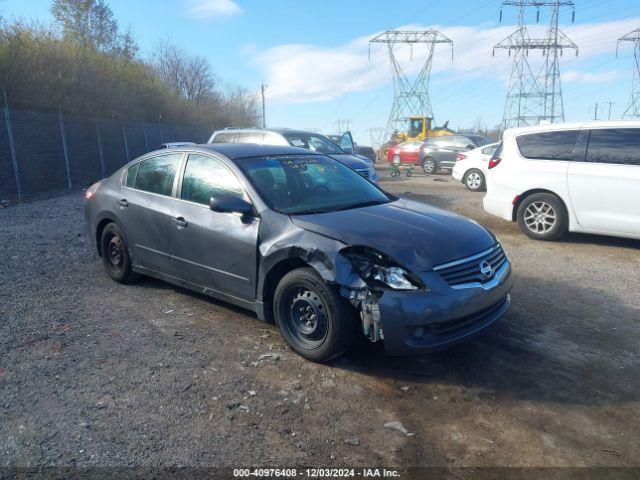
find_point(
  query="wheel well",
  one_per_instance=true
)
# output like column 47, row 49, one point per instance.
column 272, row 279
column 103, row 223
column 514, row 214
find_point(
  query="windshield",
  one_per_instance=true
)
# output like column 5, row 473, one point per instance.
column 304, row 184
column 313, row 142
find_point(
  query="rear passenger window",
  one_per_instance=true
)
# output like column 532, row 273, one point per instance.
column 156, row 174
column 489, row 150
column 548, row 145
column 206, row 177
column 614, row 145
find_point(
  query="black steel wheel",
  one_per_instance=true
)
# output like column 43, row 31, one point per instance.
column 314, row 319
column 115, row 254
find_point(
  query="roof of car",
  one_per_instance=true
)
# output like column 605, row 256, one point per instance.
column 574, row 125
column 280, row 130
column 243, row 150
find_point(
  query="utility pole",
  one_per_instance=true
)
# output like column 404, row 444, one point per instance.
column 264, row 115
column 411, row 96
column 610, row 103
column 632, row 109
column 596, row 108
column 533, row 98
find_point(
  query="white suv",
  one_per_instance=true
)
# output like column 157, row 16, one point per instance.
column 578, row 177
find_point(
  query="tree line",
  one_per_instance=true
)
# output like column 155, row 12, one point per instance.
column 85, row 63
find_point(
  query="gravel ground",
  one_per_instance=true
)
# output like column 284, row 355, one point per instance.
column 93, row 373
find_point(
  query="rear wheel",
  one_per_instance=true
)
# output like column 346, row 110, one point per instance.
column 115, row 254
column 542, row 216
column 429, row 165
column 313, row 318
column 474, row 180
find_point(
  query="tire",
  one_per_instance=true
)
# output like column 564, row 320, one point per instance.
column 542, row 216
column 115, row 254
column 474, row 180
column 313, row 318
column 429, row 165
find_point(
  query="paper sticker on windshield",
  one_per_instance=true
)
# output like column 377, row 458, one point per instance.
column 299, row 163
column 296, row 142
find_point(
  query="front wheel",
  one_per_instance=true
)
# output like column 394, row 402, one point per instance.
column 313, row 318
column 429, row 166
column 542, row 216
column 474, row 180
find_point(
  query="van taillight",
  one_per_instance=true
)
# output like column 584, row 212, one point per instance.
column 460, row 156
column 494, row 161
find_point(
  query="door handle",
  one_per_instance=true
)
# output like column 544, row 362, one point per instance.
column 123, row 202
column 180, row 222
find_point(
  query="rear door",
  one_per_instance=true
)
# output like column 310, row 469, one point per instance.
column 145, row 208
column 213, row 249
column 604, row 184
column 446, row 153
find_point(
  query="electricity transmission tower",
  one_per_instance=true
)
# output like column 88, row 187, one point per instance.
column 376, row 135
column 342, row 125
column 633, row 107
column 411, row 96
column 533, row 97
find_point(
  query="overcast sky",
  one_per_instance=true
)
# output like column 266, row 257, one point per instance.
column 314, row 54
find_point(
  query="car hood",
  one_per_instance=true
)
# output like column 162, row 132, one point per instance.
column 351, row 161
column 416, row 235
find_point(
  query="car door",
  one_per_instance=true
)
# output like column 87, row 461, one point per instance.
column 145, row 207
column 446, row 154
column 604, row 185
column 410, row 152
column 212, row 249
column 346, row 143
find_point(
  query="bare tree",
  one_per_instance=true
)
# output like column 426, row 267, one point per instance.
column 189, row 76
column 479, row 126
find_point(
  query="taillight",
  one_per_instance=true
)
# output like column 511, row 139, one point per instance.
column 494, row 162
column 91, row 191
column 460, row 156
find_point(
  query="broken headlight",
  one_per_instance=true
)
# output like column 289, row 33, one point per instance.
column 378, row 270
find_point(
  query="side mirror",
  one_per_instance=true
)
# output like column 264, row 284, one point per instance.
column 470, row 147
column 230, row 204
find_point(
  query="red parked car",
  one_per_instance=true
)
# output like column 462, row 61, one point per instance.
column 406, row 152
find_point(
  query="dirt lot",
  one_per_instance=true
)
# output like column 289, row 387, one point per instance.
column 93, row 373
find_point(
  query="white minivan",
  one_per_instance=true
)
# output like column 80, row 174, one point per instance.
column 582, row 177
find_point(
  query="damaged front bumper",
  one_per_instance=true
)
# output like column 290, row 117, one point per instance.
column 420, row 321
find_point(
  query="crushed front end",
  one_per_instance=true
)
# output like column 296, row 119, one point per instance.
column 432, row 310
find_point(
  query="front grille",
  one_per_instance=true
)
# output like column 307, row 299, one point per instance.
column 364, row 173
column 468, row 270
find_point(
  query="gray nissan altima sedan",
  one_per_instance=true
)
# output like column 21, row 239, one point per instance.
column 302, row 240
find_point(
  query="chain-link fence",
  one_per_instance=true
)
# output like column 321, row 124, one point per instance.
column 45, row 153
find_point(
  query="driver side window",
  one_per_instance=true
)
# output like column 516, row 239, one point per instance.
column 205, row 177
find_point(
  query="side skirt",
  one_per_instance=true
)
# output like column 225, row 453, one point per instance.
column 210, row 292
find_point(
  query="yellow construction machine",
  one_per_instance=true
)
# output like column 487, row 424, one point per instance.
column 418, row 129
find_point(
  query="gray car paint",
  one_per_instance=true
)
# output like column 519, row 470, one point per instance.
column 231, row 257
